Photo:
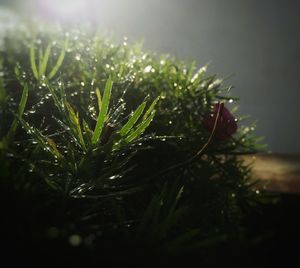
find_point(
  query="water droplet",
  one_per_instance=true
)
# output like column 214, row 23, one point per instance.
column 31, row 169
column 148, row 69
column 113, row 177
column 75, row 240
column 78, row 57
column 82, row 84
column 48, row 96
column 230, row 101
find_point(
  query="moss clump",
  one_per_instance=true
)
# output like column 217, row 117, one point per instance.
column 103, row 146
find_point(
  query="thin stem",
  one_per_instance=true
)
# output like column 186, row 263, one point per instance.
column 203, row 148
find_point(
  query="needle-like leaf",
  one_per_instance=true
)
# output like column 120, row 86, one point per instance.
column 20, row 112
column 32, row 62
column 59, row 61
column 140, row 129
column 44, row 62
column 102, row 112
column 133, row 119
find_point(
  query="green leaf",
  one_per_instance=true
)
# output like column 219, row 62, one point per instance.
column 190, row 73
column 23, row 101
column 53, row 148
column 44, row 62
column 45, row 143
column 32, row 62
column 36, row 134
column 140, row 129
column 2, row 92
column 40, row 60
column 88, row 133
column 74, row 119
column 2, row 145
column 133, row 119
column 151, row 108
column 58, row 103
column 20, row 112
column 103, row 112
column 99, row 97
column 59, row 61
column 151, row 214
column 172, row 214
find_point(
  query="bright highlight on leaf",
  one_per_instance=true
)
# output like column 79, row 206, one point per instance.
column 133, row 119
column 32, row 62
column 43, row 60
column 140, row 128
column 59, row 61
column 102, row 111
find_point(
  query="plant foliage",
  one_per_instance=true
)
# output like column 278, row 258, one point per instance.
column 95, row 142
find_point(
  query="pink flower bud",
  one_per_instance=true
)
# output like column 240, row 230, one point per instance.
column 226, row 125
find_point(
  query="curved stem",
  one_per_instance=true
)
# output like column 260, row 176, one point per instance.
column 203, row 148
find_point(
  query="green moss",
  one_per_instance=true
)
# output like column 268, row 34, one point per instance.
column 85, row 166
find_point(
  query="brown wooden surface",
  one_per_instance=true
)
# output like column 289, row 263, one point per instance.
column 278, row 172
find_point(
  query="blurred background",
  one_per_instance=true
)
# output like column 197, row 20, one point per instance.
column 257, row 42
